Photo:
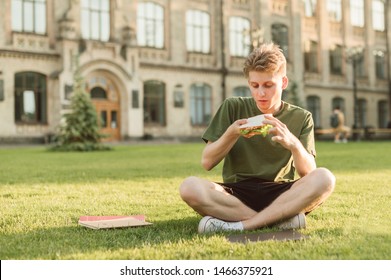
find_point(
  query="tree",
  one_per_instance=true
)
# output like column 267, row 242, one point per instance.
column 80, row 130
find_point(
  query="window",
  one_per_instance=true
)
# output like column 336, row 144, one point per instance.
column 311, row 56
column 380, row 65
column 29, row 16
column 338, row 102
column 1, row 90
column 197, row 31
column 150, row 25
column 382, row 114
column 334, row 10
column 95, row 19
column 378, row 20
column 313, row 105
column 336, row 60
column 280, row 37
column 242, row 92
column 310, row 8
column 114, row 123
column 179, row 96
column 98, row 93
column 103, row 119
column 154, row 103
column 362, row 113
column 361, row 68
column 135, row 99
column 239, row 36
column 357, row 13
column 30, row 97
column 200, row 104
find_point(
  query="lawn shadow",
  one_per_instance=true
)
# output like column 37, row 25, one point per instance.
column 76, row 242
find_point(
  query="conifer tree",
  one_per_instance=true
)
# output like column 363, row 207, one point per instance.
column 80, row 130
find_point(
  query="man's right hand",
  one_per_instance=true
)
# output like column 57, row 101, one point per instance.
column 234, row 128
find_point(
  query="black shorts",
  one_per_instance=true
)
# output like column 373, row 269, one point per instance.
column 256, row 193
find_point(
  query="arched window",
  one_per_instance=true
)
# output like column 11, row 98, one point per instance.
column 242, row 92
column 154, row 103
column 380, row 64
column 95, row 17
column 338, row 102
column 30, row 97
column 200, row 104
column 313, row 105
column 150, row 25
column 98, row 93
column 280, row 36
column 382, row 113
column 362, row 112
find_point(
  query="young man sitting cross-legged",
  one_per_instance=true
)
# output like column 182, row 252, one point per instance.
column 259, row 187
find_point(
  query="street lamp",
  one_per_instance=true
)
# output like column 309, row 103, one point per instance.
column 354, row 55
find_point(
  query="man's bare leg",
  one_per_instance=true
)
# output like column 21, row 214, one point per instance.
column 210, row 199
column 306, row 194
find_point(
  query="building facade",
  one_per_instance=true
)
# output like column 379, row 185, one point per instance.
column 161, row 68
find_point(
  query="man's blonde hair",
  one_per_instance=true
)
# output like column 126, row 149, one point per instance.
column 266, row 58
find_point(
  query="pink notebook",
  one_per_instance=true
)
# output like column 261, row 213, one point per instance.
column 100, row 222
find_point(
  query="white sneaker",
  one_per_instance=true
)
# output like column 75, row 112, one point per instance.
column 295, row 222
column 210, row 224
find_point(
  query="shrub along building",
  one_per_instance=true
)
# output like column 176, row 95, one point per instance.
column 162, row 68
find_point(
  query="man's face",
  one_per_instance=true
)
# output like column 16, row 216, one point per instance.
column 266, row 89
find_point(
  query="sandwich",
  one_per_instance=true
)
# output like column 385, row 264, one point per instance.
column 255, row 126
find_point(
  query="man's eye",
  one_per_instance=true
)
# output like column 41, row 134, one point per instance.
column 255, row 85
column 268, row 85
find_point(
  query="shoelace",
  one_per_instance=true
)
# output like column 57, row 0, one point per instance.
column 217, row 224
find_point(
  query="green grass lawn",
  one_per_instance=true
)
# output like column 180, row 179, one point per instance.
column 43, row 194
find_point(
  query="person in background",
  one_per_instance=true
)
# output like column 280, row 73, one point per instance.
column 260, row 187
column 341, row 132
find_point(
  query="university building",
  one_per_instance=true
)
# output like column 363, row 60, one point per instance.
column 161, row 68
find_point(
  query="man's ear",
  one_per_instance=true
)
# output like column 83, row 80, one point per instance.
column 285, row 82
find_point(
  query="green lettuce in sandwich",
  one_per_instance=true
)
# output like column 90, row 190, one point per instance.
column 255, row 126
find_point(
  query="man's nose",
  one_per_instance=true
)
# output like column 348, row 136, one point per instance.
column 260, row 91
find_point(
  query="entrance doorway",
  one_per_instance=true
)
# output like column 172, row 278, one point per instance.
column 106, row 100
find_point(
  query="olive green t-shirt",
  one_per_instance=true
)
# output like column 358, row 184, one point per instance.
column 258, row 156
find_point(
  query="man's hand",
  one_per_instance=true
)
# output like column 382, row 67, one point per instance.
column 281, row 133
column 234, row 128
column 303, row 161
column 214, row 152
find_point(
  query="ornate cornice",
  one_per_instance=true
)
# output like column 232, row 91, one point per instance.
column 28, row 55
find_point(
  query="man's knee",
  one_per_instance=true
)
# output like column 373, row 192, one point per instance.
column 326, row 180
column 189, row 189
